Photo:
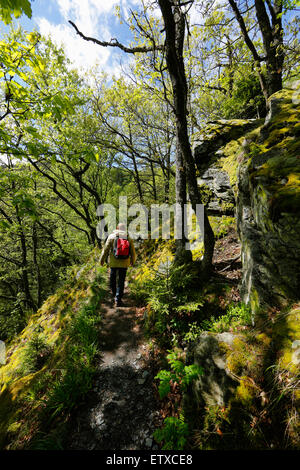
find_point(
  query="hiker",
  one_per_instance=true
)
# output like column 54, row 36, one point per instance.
column 120, row 249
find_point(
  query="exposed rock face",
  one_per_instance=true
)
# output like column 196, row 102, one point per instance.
column 209, row 144
column 268, row 207
column 255, row 166
column 221, row 191
column 241, row 371
column 217, row 169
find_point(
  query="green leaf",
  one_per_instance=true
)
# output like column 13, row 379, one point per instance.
column 15, row 8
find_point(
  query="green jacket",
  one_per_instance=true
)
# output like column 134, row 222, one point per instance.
column 108, row 252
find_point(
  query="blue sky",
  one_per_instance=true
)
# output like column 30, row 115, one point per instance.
column 93, row 17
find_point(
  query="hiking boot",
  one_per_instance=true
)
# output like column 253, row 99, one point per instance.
column 119, row 303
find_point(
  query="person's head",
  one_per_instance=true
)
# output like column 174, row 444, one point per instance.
column 121, row 227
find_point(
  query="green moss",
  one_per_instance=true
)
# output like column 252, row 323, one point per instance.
column 17, row 386
column 254, row 301
column 14, row 427
column 237, row 358
column 224, row 348
column 198, row 251
column 264, row 339
column 287, row 330
column 229, row 162
column 273, row 159
column 222, row 225
column 246, row 392
column 163, row 251
column 205, row 193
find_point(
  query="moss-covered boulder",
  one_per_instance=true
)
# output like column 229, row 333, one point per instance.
column 268, row 206
column 216, row 385
column 249, row 387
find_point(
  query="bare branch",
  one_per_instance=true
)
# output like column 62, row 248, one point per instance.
column 115, row 43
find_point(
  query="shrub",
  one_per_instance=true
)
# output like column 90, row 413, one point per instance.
column 76, row 378
column 171, row 300
column 247, row 100
column 175, row 431
column 36, row 353
column 182, row 374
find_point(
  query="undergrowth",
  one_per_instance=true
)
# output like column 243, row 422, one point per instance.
column 178, row 312
column 70, row 384
column 174, row 433
column 58, row 363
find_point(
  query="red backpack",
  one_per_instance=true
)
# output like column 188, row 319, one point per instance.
column 121, row 248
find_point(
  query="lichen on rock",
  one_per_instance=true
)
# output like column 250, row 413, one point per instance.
column 215, row 150
column 268, row 207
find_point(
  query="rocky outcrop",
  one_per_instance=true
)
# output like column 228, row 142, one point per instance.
column 220, row 194
column 268, row 207
column 252, row 169
column 250, row 381
column 209, row 145
column 216, row 163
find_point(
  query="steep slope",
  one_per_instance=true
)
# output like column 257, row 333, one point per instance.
column 50, row 365
column 80, row 375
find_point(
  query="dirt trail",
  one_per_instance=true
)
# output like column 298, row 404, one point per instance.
column 122, row 411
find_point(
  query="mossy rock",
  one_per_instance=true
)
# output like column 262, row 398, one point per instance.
column 268, row 207
column 286, row 338
column 220, row 144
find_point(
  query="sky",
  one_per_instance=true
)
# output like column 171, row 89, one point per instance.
column 94, row 18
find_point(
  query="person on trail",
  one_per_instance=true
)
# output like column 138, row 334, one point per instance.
column 120, row 249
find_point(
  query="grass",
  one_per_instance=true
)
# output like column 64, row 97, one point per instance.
column 51, row 364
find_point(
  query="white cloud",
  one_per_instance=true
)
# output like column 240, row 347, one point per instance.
column 93, row 18
column 198, row 14
column 83, row 54
column 86, row 14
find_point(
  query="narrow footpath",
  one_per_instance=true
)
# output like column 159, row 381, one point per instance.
column 122, row 410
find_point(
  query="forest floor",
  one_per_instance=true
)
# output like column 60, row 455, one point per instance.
column 122, row 410
column 227, row 256
column 227, row 264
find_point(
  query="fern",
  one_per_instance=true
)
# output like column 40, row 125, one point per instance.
column 174, row 433
column 180, row 373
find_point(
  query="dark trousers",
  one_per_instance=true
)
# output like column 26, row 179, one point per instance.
column 117, row 288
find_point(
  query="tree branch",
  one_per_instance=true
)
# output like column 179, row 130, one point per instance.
column 244, row 30
column 115, row 43
column 272, row 11
column 264, row 24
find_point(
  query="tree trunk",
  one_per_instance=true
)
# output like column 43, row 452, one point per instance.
column 153, row 181
column 272, row 35
column 24, row 266
column 175, row 31
column 36, row 264
column 183, row 254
